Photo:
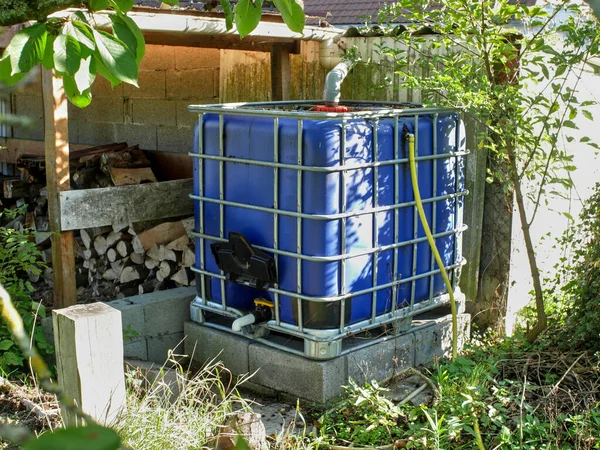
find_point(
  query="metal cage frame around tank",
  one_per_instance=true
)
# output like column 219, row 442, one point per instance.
column 324, row 344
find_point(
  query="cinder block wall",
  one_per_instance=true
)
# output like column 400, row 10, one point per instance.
column 154, row 116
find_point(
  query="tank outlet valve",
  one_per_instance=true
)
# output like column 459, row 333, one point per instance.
column 261, row 313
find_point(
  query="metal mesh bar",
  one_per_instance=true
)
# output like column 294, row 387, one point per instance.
column 299, row 227
column 276, row 207
column 434, row 204
column 415, row 220
column 201, row 206
column 395, row 274
column 222, row 198
column 456, row 209
column 343, row 207
column 375, row 224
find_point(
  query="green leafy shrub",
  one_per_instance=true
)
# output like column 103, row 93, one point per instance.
column 18, row 257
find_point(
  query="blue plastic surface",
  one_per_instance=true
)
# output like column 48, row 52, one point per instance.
column 252, row 138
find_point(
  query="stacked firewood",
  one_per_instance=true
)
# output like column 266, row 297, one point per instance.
column 138, row 259
column 113, row 261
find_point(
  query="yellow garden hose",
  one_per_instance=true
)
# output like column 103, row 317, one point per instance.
column 436, row 253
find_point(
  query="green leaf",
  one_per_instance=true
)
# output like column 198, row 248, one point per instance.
column 84, row 76
column 48, row 58
column 171, row 2
column 127, row 31
column 5, row 73
column 124, row 5
column 79, row 99
column 67, row 54
column 27, row 48
column 96, row 66
column 587, row 114
column 82, row 32
column 228, row 12
column 6, row 344
column 545, row 71
column 247, row 16
column 89, row 437
column 292, row 14
column 98, row 5
column 116, row 58
column 12, row 359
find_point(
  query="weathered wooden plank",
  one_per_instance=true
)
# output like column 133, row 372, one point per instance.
column 89, row 208
column 89, row 356
column 56, row 124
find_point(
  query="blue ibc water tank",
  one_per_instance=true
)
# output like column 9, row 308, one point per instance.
column 322, row 194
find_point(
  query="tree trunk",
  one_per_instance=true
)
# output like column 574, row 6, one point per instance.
column 489, row 311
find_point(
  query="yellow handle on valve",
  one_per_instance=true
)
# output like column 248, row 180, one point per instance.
column 436, row 253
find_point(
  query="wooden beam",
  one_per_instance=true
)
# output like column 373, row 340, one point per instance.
column 87, row 208
column 89, row 356
column 56, row 123
column 280, row 72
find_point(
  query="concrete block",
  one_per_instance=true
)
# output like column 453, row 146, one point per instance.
column 154, row 112
column 152, row 84
column 381, row 360
column 34, row 132
column 317, row 381
column 143, row 135
column 102, row 89
column 433, row 339
column 34, row 87
column 132, row 317
column 186, row 118
column 160, row 57
column 175, row 139
column 196, row 58
column 186, row 84
column 204, row 344
column 159, row 346
column 136, row 350
column 96, row 133
column 165, row 312
column 105, row 110
column 31, row 106
column 73, row 131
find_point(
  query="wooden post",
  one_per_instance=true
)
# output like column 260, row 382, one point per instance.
column 280, row 72
column 56, row 125
column 89, row 358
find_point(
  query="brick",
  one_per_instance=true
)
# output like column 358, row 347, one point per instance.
column 433, row 339
column 159, row 57
column 31, row 106
column 152, row 84
column 175, row 139
column 94, row 133
column 204, row 344
column 136, row 350
column 186, row 118
column 159, row 346
column 102, row 88
column 196, row 58
column 143, row 135
column 381, row 360
column 153, row 112
column 106, row 110
column 317, row 381
column 186, row 84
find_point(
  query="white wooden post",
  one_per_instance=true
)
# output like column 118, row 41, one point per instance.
column 89, row 356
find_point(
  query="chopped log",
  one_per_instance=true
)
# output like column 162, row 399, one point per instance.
column 111, row 254
column 169, row 255
column 110, row 275
column 183, row 276
column 91, row 253
column 47, row 256
column 154, row 253
column 33, row 277
column 161, row 234
column 147, row 286
column 49, row 275
column 151, row 263
column 112, row 238
column 166, row 269
column 16, row 188
column 189, row 225
column 123, row 177
column 41, row 223
column 118, row 266
column 124, row 249
column 188, row 258
column 90, row 264
column 43, row 239
column 30, row 220
column 100, row 245
column 137, row 258
column 102, row 264
column 133, row 273
column 179, row 244
column 86, row 238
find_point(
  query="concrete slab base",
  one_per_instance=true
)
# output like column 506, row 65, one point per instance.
column 279, row 372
